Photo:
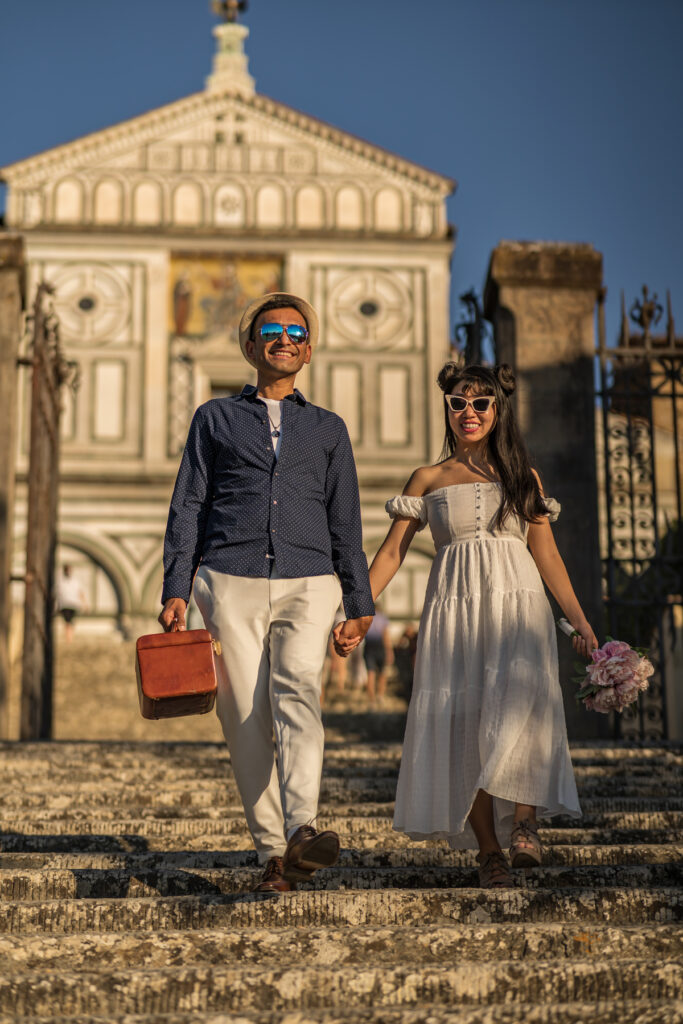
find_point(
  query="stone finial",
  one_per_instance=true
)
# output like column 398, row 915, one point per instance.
column 230, row 63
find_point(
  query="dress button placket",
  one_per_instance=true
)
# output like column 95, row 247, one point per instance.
column 477, row 514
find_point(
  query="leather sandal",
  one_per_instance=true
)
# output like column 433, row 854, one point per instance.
column 525, row 846
column 494, row 872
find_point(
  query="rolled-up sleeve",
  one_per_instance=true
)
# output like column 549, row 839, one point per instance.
column 190, row 507
column 346, row 532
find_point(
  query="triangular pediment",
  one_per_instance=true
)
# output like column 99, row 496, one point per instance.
column 215, row 160
column 197, row 119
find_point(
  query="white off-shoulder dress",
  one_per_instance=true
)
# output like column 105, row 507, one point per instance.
column 486, row 709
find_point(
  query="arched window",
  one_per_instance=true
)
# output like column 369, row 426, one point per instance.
column 147, row 205
column 69, row 201
column 349, row 207
column 187, row 204
column 108, row 205
column 310, row 207
column 388, row 210
column 270, row 206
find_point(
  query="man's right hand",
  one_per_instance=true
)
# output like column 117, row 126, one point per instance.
column 173, row 614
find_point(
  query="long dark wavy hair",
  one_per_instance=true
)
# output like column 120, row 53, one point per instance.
column 504, row 444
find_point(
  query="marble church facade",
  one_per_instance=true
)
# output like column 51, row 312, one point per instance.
column 155, row 233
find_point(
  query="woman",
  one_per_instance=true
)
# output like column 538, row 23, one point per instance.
column 486, row 743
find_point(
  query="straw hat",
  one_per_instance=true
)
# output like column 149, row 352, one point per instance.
column 254, row 308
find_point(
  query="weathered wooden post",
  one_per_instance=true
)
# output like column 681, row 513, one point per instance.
column 12, row 281
column 49, row 371
column 542, row 298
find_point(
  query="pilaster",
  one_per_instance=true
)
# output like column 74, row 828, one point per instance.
column 541, row 298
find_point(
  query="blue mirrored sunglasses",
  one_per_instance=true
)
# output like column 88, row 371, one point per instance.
column 295, row 332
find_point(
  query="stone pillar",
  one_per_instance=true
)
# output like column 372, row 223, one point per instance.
column 541, row 298
column 12, row 285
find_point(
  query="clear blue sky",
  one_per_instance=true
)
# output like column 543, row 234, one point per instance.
column 559, row 120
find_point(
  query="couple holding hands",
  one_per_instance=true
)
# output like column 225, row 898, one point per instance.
column 265, row 528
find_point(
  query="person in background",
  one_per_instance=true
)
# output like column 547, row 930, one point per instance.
column 334, row 673
column 71, row 600
column 378, row 655
column 404, row 657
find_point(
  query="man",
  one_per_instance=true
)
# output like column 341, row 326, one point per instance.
column 266, row 511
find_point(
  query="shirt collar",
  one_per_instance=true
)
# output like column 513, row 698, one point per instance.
column 250, row 391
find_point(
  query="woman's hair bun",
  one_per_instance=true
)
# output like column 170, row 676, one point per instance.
column 446, row 375
column 506, row 378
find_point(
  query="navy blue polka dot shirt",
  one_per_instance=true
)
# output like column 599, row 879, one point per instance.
column 239, row 510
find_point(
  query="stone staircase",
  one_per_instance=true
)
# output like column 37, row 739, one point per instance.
column 125, row 870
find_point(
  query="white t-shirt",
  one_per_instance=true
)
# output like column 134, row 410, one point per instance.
column 274, row 407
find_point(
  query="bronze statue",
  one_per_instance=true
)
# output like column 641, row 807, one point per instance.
column 229, row 10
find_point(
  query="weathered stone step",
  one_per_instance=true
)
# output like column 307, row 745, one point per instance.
column 214, row 795
column 127, row 883
column 323, row 908
column 88, row 766
column 431, row 856
column 116, row 838
column 337, row 776
column 351, row 825
column 230, row 989
column 344, row 946
column 124, row 756
column 212, row 761
column 603, row 1012
column 598, row 813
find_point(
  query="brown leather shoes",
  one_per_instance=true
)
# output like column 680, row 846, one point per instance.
column 273, row 878
column 307, row 851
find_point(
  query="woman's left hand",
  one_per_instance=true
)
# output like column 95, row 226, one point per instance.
column 586, row 641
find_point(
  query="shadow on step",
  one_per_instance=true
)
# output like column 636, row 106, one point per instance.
column 69, row 842
column 343, row 728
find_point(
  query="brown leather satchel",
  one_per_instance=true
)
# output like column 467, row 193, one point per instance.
column 176, row 673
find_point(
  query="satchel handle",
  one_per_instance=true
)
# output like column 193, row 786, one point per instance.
column 216, row 644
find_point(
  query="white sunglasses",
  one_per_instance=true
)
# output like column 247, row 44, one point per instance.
column 458, row 403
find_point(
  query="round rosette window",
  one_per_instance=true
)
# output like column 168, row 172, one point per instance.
column 374, row 307
column 92, row 302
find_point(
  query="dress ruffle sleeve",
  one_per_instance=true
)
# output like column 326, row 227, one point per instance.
column 409, row 507
column 552, row 507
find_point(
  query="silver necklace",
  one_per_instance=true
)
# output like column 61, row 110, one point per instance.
column 275, row 432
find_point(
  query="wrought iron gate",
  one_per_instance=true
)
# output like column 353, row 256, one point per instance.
column 641, row 395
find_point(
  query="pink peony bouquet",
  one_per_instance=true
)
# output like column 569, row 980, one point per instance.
column 614, row 676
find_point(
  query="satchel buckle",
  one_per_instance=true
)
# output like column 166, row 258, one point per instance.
column 216, row 644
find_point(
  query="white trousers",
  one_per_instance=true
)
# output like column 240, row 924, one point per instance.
column 273, row 634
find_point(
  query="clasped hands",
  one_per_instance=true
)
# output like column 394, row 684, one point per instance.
column 347, row 635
